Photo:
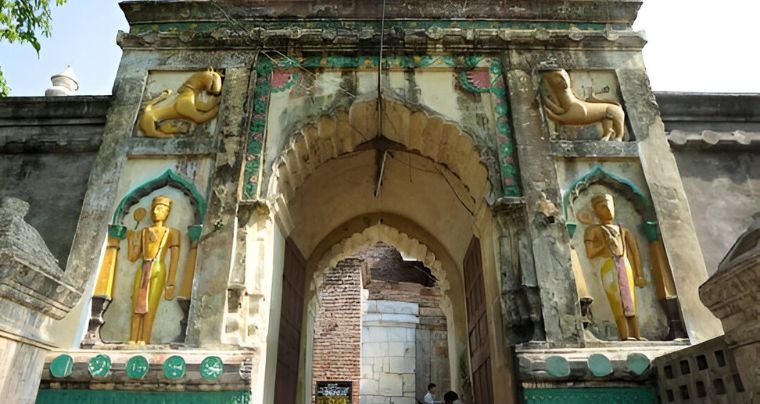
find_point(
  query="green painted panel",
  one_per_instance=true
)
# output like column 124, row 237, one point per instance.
column 600, row 365
column 174, row 367
column 61, row 366
column 99, row 365
column 638, row 363
column 48, row 396
column 606, row 395
column 212, row 367
column 137, row 367
column 557, row 366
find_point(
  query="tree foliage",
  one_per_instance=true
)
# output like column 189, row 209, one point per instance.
column 24, row 21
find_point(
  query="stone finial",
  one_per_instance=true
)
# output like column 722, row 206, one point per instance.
column 64, row 83
column 746, row 247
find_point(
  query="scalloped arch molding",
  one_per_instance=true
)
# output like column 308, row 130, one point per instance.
column 408, row 246
column 339, row 133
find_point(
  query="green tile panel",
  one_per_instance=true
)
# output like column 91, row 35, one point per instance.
column 51, row 396
column 585, row 395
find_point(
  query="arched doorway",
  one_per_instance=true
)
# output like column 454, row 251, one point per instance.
column 416, row 182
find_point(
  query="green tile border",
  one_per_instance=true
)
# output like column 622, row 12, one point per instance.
column 54, row 396
column 587, row 395
column 266, row 66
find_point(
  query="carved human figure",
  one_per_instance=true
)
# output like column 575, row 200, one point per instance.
column 615, row 250
column 567, row 109
column 151, row 279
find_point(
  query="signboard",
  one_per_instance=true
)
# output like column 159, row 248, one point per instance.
column 333, row 392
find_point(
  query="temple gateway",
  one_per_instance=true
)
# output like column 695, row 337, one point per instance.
column 345, row 201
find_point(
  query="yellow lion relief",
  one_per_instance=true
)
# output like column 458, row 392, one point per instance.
column 166, row 119
column 567, row 109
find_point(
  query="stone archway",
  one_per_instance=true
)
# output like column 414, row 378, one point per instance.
column 343, row 131
column 330, row 262
column 323, row 179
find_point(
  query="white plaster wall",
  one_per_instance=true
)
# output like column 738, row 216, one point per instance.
column 271, row 285
column 437, row 92
column 307, row 352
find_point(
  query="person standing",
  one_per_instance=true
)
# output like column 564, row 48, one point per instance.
column 450, row 397
column 430, row 396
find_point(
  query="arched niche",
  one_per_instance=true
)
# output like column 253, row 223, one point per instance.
column 168, row 178
column 619, row 184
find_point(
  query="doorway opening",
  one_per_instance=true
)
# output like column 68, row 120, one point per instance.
column 379, row 324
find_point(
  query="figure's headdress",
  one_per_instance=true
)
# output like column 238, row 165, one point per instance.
column 162, row 200
column 601, row 198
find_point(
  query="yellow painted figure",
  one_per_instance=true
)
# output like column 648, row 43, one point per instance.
column 151, row 245
column 620, row 265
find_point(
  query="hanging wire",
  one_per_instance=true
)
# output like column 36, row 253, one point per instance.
column 380, row 73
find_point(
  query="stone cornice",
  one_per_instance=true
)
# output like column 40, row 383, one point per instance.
column 26, row 123
column 31, row 286
column 395, row 40
column 610, row 11
column 624, row 362
column 714, row 121
column 712, row 140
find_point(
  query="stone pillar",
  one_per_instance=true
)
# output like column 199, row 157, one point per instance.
column 733, row 295
column 388, row 352
column 550, row 244
column 669, row 199
column 32, row 293
column 520, row 292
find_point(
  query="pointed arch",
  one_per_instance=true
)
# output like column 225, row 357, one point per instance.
column 380, row 233
column 598, row 175
column 168, row 178
column 343, row 131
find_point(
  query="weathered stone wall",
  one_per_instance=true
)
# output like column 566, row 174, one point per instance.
column 47, row 149
column 623, row 11
column 715, row 139
column 722, row 187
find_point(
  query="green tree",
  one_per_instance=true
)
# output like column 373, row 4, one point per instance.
column 23, row 21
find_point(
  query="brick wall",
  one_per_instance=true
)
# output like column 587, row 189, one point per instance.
column 337, row 332
column 386, row 264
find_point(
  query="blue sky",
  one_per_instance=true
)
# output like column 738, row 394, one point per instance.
column 694, row 45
